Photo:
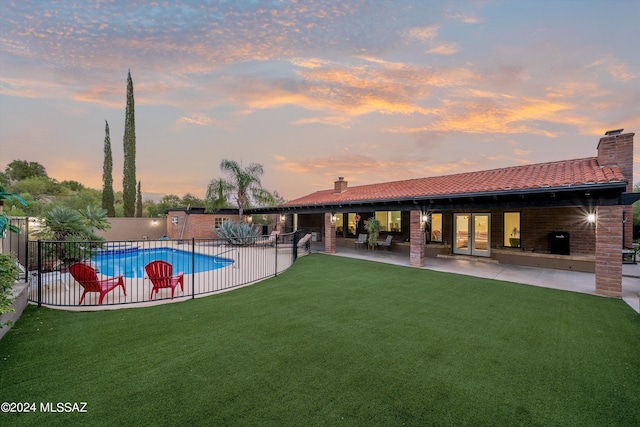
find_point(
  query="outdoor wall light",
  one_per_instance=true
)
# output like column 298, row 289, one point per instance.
column 282, row 218
column 591, row 218
column 334, row 218
column 425, row 218
column 154, row 222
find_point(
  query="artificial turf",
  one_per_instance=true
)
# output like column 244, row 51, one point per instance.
column 335, row 341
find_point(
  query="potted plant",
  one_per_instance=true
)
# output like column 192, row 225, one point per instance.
column 514, row 239
column 372, row 225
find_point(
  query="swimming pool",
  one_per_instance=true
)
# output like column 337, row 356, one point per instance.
column 130, row 262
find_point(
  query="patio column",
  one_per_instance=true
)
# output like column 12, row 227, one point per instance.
column 279, row 223
column 329, row 234
column 416, row 233
column 609, row 251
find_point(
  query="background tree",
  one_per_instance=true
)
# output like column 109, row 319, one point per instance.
column 139, row 201
column 19, row 170
column 243, row 185
column 189, row 200
column 4, row 180
column 108, row 198
column 172, row 201
column 129, row 142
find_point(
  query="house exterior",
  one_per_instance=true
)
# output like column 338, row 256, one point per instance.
column 570, row 214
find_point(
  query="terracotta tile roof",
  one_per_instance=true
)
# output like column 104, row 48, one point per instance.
column 553, row 175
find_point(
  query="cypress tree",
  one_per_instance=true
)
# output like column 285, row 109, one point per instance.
column 129, row 142
column 108, row 198
column 139, row 202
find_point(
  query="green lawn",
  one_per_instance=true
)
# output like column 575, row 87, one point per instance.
column 335, row 341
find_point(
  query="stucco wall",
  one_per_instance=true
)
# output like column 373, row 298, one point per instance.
column 135, row 229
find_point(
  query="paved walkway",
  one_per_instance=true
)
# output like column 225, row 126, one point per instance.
column 481, row 267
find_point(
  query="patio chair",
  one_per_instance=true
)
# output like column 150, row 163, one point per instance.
column 50, row 275
column 304, row 242
column 88, row 279
column 161, row 275
column 270, row 241
column 386, row 243
column 362, row 240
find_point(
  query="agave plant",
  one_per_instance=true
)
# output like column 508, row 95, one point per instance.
column 241, row 233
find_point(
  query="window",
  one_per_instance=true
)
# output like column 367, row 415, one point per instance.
column 390, row 221
column 218, row 221
column 339, row 224
column 511, row 230
column 351, row 224
column 436, row 227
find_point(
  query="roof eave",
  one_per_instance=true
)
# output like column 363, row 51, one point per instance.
column 507, row 192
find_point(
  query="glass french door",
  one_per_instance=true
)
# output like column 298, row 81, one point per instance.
column 472, row 234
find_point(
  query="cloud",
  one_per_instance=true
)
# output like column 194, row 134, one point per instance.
column 30, row 88
column 360, row 169
column 194, row 119
column 463, row 17
column 615, row 68
column 444, row 49
column 494, row 113
column 423, row 33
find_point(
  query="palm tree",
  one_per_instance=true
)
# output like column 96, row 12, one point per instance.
column 62, row 223
column 242, row 184
column 218, row 193
column 71, row 230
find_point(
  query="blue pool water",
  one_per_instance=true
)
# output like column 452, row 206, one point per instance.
column 131, row 262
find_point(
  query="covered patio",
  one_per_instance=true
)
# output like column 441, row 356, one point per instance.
column 570, row 215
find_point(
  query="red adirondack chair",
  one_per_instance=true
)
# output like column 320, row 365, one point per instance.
column 88, row 279
column 161, row 275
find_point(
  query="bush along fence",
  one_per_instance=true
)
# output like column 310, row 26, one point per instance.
column 111, row 273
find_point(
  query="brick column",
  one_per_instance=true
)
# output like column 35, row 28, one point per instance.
column 279, row 224
column 416, row 232
column 608, row 251
column 628, row 226
column 329, row 234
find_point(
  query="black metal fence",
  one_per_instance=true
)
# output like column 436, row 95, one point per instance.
column 17, row 242
column 209, row 266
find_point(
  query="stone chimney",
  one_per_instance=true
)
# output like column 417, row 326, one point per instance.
column 340, row 186
column 616, row 148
